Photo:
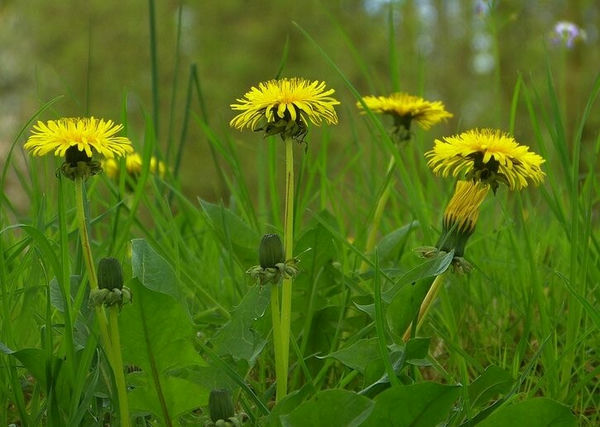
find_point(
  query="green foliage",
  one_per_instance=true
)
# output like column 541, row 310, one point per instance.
column 512, row 342
column 423, row 404
column 330, row 407
column 157, row 336
column 245, row 335
column 536, row 412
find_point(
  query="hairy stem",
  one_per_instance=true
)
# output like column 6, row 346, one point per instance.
column 116, row 363
column 286, row 289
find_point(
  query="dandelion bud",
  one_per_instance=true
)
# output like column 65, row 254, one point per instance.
column 461, row 216
column 110, row 274
column 270, row 252
column 220, row 405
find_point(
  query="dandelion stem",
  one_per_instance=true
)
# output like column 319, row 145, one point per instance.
column 381, row 203
column 426, row 304
column 113, row 315
column 115, row 362
column 279, row 367
column 286, row 289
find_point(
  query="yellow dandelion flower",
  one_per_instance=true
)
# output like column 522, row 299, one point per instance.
column 133, row 166
column 406, row 108
column 111, row 168
column 285, row 105
column 488, row 156
column 86, row 135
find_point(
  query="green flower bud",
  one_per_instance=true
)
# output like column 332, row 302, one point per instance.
column 271, row 251
column 110, row 274
column 220, row 405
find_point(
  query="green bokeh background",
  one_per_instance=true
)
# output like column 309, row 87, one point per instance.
column 465, row 53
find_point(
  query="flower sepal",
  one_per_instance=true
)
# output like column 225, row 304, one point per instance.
column 108, row 297
column 276, row 273
column 459, row 264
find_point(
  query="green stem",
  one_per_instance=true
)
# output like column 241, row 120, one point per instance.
column 286, row 289
column 116, row 363
column 426, row 304
column 381, row 203
column 280, row 371
column 113, row 315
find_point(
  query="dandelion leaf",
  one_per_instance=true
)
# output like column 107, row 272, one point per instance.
column 536, row 412
column 423, row 404
column 156, row 338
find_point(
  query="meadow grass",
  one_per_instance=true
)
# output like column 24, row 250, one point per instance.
column 516, row 337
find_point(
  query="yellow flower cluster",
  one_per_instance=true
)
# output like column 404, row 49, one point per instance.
column 133, row 166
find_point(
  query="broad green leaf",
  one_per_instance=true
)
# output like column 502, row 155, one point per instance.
column 404, row 307
column 536, row 412
column 388, row 246
column 424, row 404
column 181, row 396
column 493, row 382
column 317, row 251
column 208, row 377
column 318, row 288
column 157, row 337
column 245, row 335
column 330, row 408
column 358, row 355
column 37, row 362
column 56, row 296
column 233, row 232
column 151, row 269
column 288, row 404
column 369, row 309
column 413, row 352
column 429, row 268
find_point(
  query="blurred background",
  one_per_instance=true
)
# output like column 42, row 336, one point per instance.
column 96, row 54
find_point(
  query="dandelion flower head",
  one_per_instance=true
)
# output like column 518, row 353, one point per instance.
column 283, row 103
column 133, row 166
column 406, row 108
column 488, row 156
column 87, row 135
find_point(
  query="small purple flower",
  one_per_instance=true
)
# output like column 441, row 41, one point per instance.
column 482, row 8
column 566, row 32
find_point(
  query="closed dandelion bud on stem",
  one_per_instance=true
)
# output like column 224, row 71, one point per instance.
column 270, row 252
column 461, row 215
column 110, row 274
column 220, row 405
